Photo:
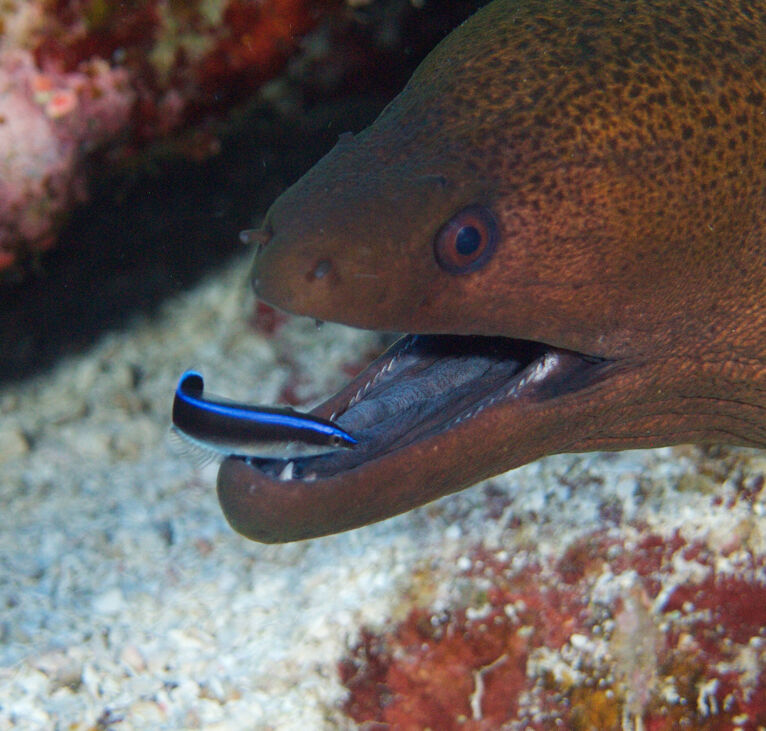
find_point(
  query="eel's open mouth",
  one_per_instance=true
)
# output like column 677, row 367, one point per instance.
column 432, row 415
column 425, row 385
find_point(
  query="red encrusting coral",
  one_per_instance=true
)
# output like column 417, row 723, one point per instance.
column 541, row 646
column 266, row 320
column 258, row 40
column 79, row 76
column 425, row 673
column 205, row 55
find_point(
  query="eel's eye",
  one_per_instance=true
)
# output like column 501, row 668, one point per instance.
column 467, row 241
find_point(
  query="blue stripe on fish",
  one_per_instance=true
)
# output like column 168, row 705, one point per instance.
column 250, row 431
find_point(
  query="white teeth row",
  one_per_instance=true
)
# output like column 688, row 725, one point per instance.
column 288, row 471
column 541, row 369
column 367, row 386
column 544, row 367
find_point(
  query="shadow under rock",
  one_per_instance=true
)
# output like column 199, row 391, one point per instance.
column 142, row 240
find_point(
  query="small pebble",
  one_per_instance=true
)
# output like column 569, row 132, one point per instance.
column 110, row 602
column 13, row 442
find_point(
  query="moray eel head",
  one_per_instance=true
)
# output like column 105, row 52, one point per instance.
column 565, row 208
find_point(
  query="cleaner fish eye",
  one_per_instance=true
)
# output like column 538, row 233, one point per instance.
column 227, row 428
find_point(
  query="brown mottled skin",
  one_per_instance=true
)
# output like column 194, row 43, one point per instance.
column 621, row 147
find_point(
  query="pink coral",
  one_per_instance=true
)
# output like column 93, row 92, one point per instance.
column 78, row 74
column 45, row 122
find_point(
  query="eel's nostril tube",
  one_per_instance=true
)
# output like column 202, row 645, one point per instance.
column 256, row 236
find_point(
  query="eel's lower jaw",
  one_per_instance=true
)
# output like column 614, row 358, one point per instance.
column 433, row 415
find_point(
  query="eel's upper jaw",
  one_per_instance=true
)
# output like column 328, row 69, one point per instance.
column 433, row 415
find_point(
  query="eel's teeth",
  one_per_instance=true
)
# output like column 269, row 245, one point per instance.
column 287, row 471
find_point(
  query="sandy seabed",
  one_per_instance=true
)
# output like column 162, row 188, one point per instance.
column 127, row 601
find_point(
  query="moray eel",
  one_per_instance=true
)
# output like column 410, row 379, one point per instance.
column 566, row 208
